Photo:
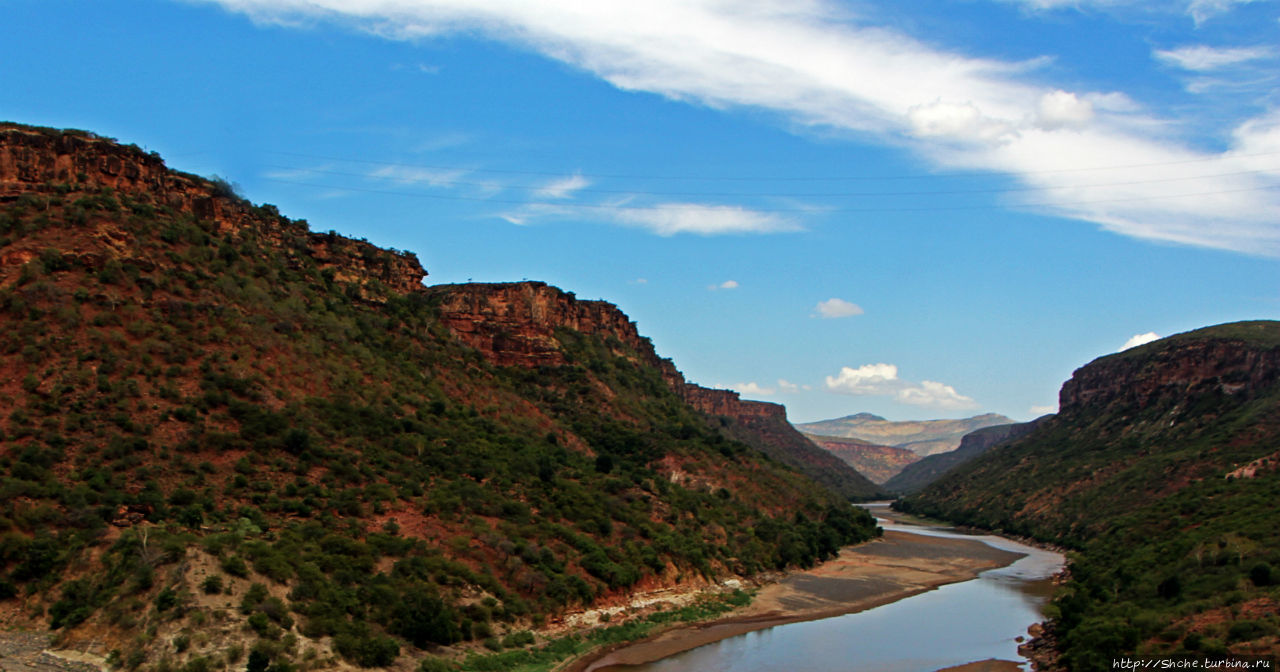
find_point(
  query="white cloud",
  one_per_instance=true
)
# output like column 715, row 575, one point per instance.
column 407, row 175
column 727, row 284
column 868, row 379
column 1202, row 58
column 1198, row 10
column 833, row 308
column 669, row 219
column 1060, row 109
column 1139, row 339
column 811, row 63
column 753, row 388
column 1041, row 410
column 563, row 187
column 1202, row 10
column 664, row 219
column 788, row 387
column 935, row 395
column 882, row 380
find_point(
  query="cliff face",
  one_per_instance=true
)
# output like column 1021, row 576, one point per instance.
column 92, row 171
column 876, row 462
column 1170, row 372
column 515, row 324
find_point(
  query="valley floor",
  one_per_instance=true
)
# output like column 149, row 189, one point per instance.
column 878, row 572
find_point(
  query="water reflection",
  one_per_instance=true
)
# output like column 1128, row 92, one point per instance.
column 955, row 624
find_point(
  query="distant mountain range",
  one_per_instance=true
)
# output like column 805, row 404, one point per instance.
column 922, row 437
column 879, row 448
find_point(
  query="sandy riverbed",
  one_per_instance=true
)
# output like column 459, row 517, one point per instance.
column 861, row 577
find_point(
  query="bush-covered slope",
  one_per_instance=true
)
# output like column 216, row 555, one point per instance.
column 221, row 429
column 1161, row 471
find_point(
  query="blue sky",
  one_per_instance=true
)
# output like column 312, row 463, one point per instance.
column 920, row 209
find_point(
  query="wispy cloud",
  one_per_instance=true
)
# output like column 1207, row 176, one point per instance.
column 882, row 380
column 563, row 187
column 812, row 63
column 1199, row 10
column 406, row 175
column 834, row 308
column 1202, row 58
column 727, row 284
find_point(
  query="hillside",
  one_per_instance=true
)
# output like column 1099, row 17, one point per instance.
column 227, row 438
column 922, row 437
column 520, row 323
column 1161, row 471
column 878, row 463
column 916, row 475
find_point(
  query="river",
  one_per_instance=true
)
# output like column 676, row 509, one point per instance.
column 983, row 618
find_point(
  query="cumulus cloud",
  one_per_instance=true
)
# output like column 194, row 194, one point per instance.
column 752, row 388
column 1139, row 339
column 727, row 284
column 833, row 308
column 563, row 187
column 1202, row 58
column 882, row 380
column 788, row 387
column 1131, row 172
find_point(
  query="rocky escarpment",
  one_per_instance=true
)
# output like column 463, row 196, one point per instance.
column 876, row 462
column 1175, row 370
column 100, row 178
column 516, row 324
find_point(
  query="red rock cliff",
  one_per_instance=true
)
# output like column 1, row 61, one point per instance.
column 514, row 324
column 73, row 164
column 1177, row 370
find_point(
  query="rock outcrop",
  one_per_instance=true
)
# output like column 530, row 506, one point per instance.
column 1174, row 369
column 876, row 462
column 515, row 324
column 96, row 173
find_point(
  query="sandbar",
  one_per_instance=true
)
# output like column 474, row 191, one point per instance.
column 884, row 570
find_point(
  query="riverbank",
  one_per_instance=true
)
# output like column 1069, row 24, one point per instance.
column 878, row 572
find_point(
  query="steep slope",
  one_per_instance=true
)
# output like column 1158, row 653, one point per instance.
column 915, row 476
column 1160, row 468
column 516, row 324
column 922, row 437
column 878, row 463
column 223, row 431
